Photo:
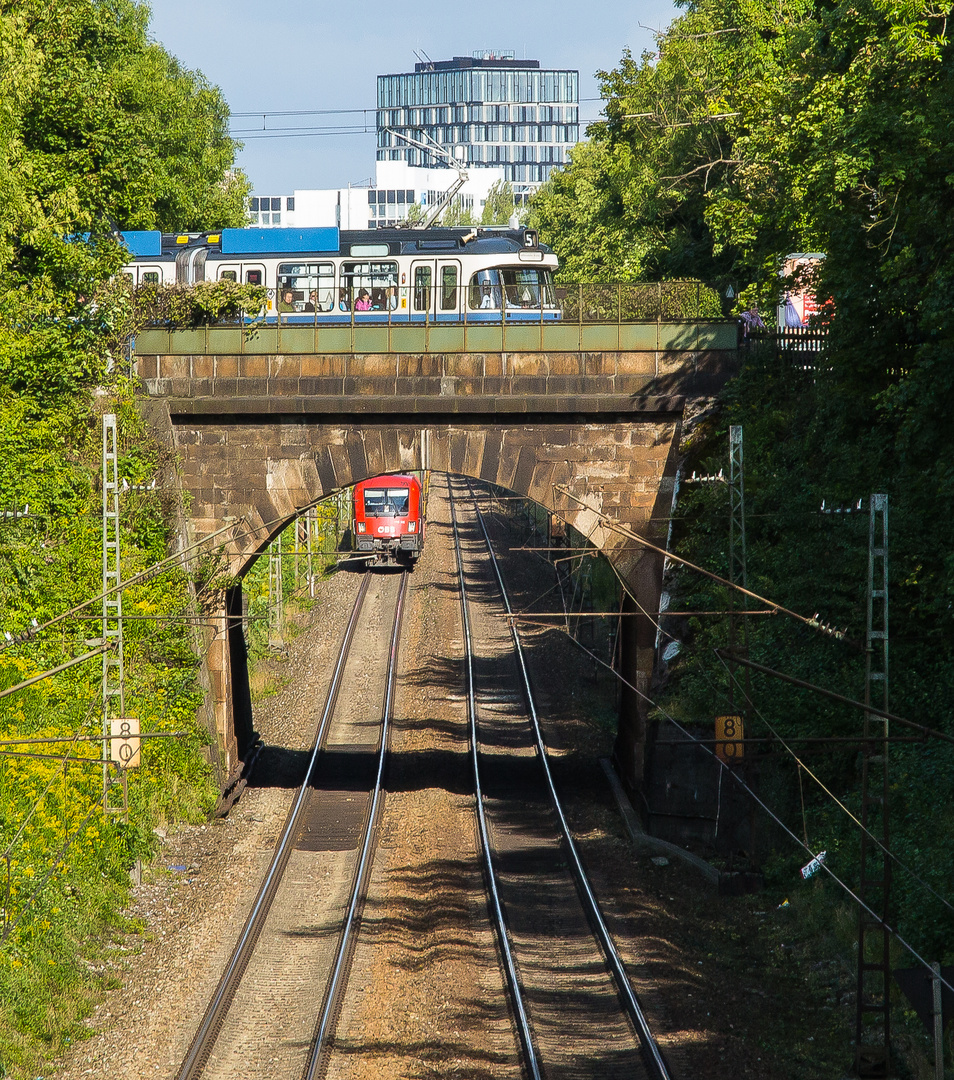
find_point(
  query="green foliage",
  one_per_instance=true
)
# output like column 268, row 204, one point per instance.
column 197, row 305
column 499, row 206
column 754, row 131
column 100, row 129
column 68, row 860
column 457, row 214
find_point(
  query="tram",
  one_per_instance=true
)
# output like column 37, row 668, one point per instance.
column 322, row 276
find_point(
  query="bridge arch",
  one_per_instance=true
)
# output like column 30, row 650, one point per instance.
column 585, row 420
column 261, row 476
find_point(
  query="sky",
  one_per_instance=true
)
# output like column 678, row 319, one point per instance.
column 307, row 56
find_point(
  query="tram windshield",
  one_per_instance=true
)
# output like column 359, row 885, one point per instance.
column 518, row 286
column 386, row 502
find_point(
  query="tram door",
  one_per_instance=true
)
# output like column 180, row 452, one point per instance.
column 436, row 290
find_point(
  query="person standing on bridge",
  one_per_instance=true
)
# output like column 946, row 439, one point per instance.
column 751, row 321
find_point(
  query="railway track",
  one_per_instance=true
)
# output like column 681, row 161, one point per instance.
column 573, row 1007
column 295, row 947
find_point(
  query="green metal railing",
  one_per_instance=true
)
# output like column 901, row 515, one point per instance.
column 664, row 316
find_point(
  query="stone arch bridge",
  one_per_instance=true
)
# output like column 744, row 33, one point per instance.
column 586, row 420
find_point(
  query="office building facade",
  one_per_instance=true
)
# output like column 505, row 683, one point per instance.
column 487, row 110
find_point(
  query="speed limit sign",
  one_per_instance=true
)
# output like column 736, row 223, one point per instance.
column 124, row 744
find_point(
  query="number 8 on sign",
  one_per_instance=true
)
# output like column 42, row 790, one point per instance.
column 124, row 744
column 727, row 729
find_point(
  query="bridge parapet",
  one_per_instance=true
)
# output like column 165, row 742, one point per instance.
column 624, row 367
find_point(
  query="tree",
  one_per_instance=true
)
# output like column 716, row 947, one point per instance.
column 100, row 129
column 499, row 205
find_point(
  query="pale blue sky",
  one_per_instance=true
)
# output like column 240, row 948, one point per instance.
column 310, row 56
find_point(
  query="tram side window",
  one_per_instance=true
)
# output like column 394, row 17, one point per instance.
column 228, row 275
column 448, row 288
column 149, row 277
column 253, row 277
column 306, row 287
column 379, row 280
column 422, row 288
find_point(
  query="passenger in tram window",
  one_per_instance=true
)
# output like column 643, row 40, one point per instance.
column 287, row 302
column 343, row 302
column 363, row 303
column 377, row 300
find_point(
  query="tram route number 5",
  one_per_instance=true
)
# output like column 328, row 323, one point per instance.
column 727, row 729
column 124, row 744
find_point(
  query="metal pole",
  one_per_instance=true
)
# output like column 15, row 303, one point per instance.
column 113, row 680
column 938, row 1024
column 310, row 525
column 873, row 1014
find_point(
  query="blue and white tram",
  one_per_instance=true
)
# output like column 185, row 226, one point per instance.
column 325, row 275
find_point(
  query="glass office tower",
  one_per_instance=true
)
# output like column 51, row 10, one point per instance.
column 487, row 110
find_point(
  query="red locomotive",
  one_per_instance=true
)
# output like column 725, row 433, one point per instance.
column 388, row 519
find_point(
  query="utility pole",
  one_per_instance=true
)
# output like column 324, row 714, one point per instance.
column 737, row 556
column 276, row 596
column 113, row 683
column 873, row 1017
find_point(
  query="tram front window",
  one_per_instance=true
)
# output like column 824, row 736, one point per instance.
column 519, row 286
column 386, row 502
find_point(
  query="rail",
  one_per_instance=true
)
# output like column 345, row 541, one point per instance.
column 336, row 983
column 502, row 932
column 204, row 1040
column 651, row 1052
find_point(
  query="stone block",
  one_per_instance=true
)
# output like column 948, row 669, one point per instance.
column 634, row 363
column 359, row 387
column 375, row 365
column 226, row 367
column 527, row 364
column 316, row 366
column 565, row 363
column 465, row 365
column 494, row 364
column 419, row 364
column 252, row 367
column 146, row 367
column 175, row 367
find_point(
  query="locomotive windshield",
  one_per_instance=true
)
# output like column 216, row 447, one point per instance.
column 518, row 286
column 386, row 502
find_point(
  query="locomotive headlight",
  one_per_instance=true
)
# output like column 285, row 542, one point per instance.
column 412, row 526
column 361, row 526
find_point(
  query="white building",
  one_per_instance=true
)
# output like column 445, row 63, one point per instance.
column 397, row 186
